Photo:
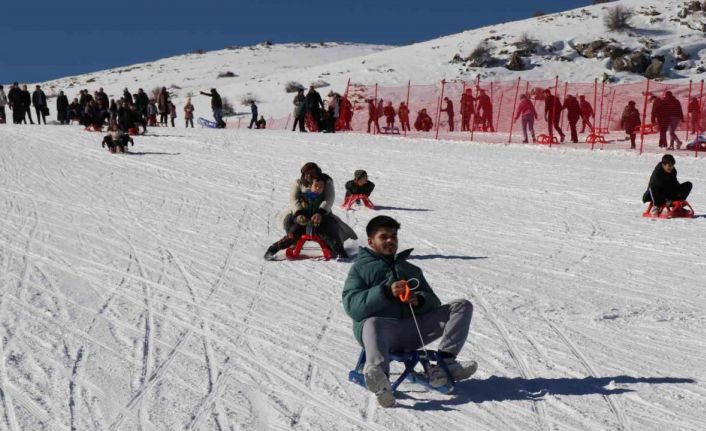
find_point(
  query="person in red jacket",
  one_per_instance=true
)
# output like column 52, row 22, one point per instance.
column 676, row 116
column 373, row 115
column 485, row 110
column 389, row 113
column 586, row 113
column 466, row 110
column 573, row 113
column 552, row 113
column 695, row 114
column 630, row 121
column 403, row 113
column 450, row 112
column 526, row 111
column 423, row 122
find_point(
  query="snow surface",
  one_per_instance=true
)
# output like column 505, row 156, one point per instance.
column 134, row 295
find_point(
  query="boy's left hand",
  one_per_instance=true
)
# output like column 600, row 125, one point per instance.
column 413, row 300
column 316, row 219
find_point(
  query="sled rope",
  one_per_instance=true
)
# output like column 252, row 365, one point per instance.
column 404, row 297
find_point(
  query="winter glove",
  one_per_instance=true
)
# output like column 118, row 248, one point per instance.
column 301, row 220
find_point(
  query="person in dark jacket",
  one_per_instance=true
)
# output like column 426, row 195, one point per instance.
column 359, row 185
column 423, row 123
column 660, row 116
column 389, row 112
column 163, row 106
column 449, row 109
column 403, row 113
column 27, row 104
column 299, row 103
column 466, row 110
column 14, row 100
column 676, row 116
column 216, row 107
column 127, row 96
column 3, row 103
column 552, row 113
column 113, row 111
column 315, row 104
column 664, row 188
column 141, row 102
column 694, row 110
column 573, row 114
column 253, row 112
column 373, row 116
column 74, row 111
column 62, row 108
column 102, row 100
column 586, row 113
column 485, row 110
column 382, row 323
column 630, row 121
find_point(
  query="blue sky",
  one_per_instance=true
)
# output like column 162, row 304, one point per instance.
column 45, row 39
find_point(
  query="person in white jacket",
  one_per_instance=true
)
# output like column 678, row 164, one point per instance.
column 3, row 102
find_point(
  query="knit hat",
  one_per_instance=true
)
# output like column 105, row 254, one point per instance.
column 359, row 174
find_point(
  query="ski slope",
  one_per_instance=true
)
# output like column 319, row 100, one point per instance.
column 134, row 296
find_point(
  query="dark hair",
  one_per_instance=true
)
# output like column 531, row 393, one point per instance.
column 669, row 159
column 310, row 169
column 379, row 222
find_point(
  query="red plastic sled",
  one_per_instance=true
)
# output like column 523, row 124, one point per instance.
column 133, row 131
column 352, row 199
column 595, row 139
column 294, row 253
column 679, row 209
column 546, row 139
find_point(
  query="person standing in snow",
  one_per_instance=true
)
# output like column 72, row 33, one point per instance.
column 389, row 113
column 315, row 105
column 403, row 113
column 14, row 98
column 675, row 115
column 163, row 106
column 334, row 111
column 189, row 113
column 62, row 108
column 466, row 109
column 586, row 114
column 382, row 323
column 39, row 100
column 485, row 110
column 26, row 99
column 253, row 111
column 526, row 111
column 373, row 116
column 630, row 121
column 660, row 116
column 3, row 103
column 449, row 112
column 299, row 103
column 694, row 110
column 216, row 107
column 573, row 114
column 552, row 113
column 172, row 113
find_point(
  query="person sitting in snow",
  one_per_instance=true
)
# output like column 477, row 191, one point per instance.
column 359, row 185
column 261, row 123
column 383, row 324
column 423, row 122
column 323, row 225
column 664, row 188
column 116, row 140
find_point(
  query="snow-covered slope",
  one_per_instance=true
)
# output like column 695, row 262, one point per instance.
column 657, row 27
column 133, row 294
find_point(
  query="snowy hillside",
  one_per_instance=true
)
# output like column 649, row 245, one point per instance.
column 658, row 28
column 134, row 295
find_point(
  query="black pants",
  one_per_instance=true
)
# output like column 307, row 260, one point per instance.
column 555, row 125
column 632, row 139
column 681, row 194
column 2, row 113
column 663, row 129
column 163, row 118
column 28, row 113
column 299, row 120
column 39, row 110
column 190, row 121
column 253, row 120
column 572, row 126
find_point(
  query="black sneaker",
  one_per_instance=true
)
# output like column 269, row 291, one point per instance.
column 271, row 253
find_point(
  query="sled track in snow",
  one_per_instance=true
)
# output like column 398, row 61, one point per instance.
column 613, row 404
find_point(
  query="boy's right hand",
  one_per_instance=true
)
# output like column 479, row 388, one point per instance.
column 302, row 220
column 398, row 288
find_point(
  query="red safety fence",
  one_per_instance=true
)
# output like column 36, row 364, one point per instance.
column 492, row 111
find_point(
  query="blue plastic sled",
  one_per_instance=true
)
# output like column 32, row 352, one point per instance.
column 410, row 361
column 206, row 123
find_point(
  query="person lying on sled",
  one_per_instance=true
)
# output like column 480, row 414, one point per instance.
column 310, row 201
column 664, row 188
column 359, row 185
column 382, row 324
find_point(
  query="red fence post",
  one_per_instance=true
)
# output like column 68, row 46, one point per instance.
column 551, row 120
column 286, row 125
column 438, row 110
column 375, row 104
column 409, row 86
column 688, row 100
column 600, row 116
column 610, row 114
column 566, row 85
column 595, row 105
column 698, row 132
column 514, row 107
column 644, row 116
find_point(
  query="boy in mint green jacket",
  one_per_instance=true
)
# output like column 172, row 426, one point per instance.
column 382, row 323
